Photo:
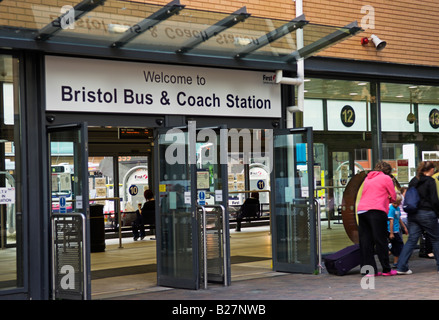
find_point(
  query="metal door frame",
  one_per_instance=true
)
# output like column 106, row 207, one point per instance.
column 85, row 211
column 223, row 158
column 313, row 221
column 164, row 281
column 192, row 140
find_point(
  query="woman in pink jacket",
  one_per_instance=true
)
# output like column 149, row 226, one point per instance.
column 378, row 193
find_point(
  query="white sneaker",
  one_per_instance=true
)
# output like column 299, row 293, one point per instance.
column 405, row 272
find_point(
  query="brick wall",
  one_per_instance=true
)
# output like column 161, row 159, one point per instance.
column 407, row 26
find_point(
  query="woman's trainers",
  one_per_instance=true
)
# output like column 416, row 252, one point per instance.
column 376, row 275
column 405, row 272
column 390, row 273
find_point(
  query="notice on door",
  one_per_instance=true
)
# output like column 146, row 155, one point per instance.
column 203, row 180
column 7, row 195
column 403, row 170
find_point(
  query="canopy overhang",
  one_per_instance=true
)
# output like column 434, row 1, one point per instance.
column 171, row 33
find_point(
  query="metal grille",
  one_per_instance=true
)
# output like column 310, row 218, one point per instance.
column 301, row 231
column 212, row 244
column 68, row 258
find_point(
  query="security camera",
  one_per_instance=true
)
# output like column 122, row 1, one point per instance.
column 379, row 44
column 411, row 118
column 50, row 118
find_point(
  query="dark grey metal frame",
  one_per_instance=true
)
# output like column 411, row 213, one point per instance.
column 195, row 226
column 291, row 267
column 196, row 267
column 337, row 36
column 238, row 16
column 83, row 160
column 172, row 8
column 296, row 23
column 21, row 292
column 79, row 10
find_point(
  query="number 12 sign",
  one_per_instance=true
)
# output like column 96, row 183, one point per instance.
column 347, row 116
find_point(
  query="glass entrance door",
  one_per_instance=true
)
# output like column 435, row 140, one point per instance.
column 294, row 219
column 212, row 196
column 190, row 179
column 68, row 181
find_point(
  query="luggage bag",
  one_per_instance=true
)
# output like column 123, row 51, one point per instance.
column 341, row 262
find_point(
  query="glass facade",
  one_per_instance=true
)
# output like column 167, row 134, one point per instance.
column 177, row 256
column 11, row 252
column 410, row 113
column 340, row 112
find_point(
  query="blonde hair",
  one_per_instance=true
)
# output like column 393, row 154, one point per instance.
column 398, row 198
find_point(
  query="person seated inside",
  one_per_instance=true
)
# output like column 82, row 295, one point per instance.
column 250, row 208
column 145, row 215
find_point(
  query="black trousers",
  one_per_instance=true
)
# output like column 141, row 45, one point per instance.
column 372, row 228
column 138, row 227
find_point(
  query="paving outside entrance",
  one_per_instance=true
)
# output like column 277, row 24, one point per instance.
column 254, row 280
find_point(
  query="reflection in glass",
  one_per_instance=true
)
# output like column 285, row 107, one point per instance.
column 175, row 213
column 292, row 203
column 101, row 185
column 340, row 113
column 133, row 171
column 413, row 136
column 66, row 172
column 11, row 252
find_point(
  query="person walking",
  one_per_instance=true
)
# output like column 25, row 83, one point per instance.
column 426, row 217
column 378, row 193
column 395, row 225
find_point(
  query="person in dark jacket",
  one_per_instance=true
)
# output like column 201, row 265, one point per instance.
column 426, row 217
column 250, row 208
column 145, row 215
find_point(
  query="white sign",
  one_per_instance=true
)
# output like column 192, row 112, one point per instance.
column 88, row 85
column 187, row 197
column 78, row 202
column 218, row 195
column 7, row 195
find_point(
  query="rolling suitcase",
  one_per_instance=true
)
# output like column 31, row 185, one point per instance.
column 341, row 262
